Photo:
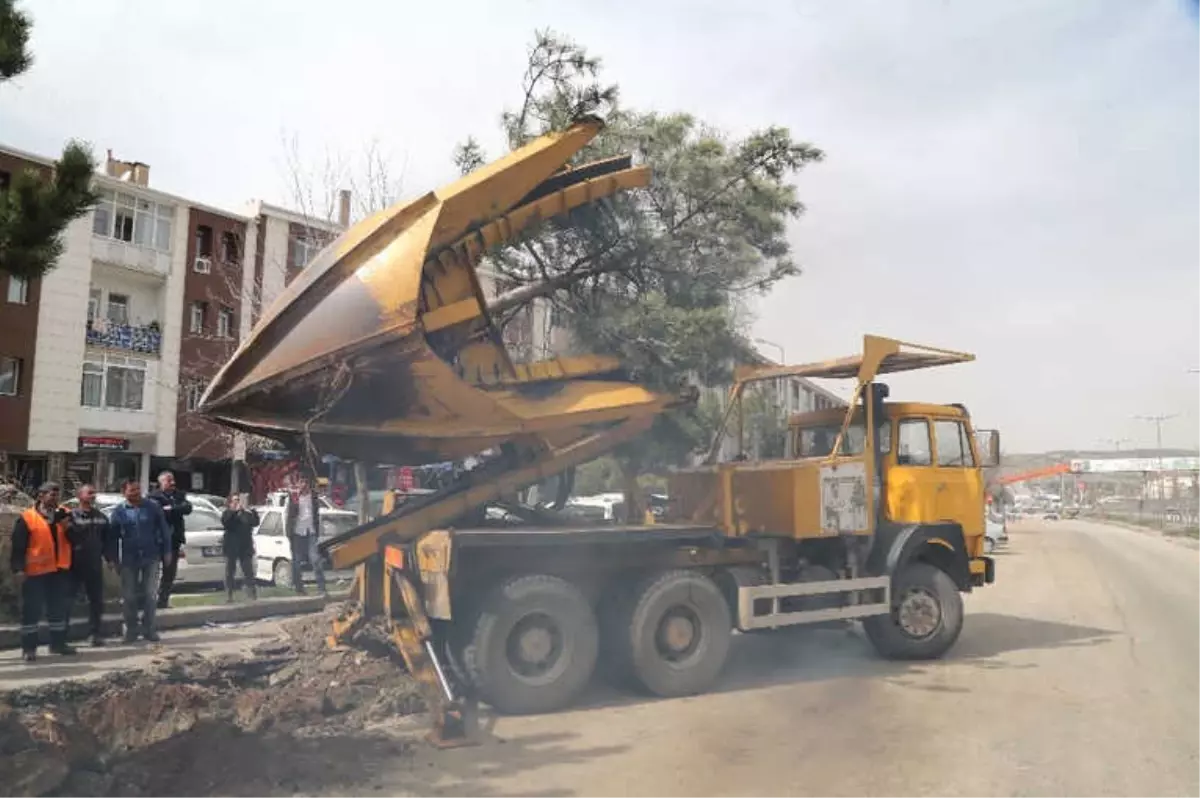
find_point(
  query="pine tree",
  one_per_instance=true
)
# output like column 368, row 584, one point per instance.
column 35, row 211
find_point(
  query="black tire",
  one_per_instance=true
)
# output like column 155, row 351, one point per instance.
column 936, row 603
column 684, row 605
column 531, row 612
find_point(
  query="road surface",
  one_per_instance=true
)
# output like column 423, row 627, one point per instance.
column 1076, row 674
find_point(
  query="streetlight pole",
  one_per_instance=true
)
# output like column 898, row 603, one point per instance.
column 765, row 342
column 1157, row 421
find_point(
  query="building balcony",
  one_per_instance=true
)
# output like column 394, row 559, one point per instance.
column 131, row 256
column 145, row 339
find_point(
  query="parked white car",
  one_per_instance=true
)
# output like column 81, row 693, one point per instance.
column 202, row 560
column 273, row 552
column 995, row 534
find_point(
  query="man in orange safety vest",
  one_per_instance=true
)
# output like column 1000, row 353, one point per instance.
column 41, row 560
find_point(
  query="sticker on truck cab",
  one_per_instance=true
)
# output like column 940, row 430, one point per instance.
column 844, row 498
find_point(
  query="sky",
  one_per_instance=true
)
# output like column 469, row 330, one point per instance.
column 1018, row 180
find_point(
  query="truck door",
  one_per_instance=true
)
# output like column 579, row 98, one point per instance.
column 959, row 483
column 911, row 481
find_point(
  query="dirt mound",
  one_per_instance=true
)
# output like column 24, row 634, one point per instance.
column 293, row 716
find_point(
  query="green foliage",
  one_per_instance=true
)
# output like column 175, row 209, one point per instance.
column 660, row 276
column 35, row 211
column 15, row 57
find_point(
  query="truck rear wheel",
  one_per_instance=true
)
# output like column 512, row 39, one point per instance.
column 671, row 633
column 926, row 616
column 532, row 646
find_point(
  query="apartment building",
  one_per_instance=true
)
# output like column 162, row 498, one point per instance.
column 103, row 360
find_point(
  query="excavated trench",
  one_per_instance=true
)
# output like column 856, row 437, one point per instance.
column 291, row 718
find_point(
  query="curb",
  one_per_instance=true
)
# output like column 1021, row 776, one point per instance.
column 186, row 617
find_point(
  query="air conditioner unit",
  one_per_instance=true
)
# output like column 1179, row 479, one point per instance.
column 203, row 265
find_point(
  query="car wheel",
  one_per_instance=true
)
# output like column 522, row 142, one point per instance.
column 281, row 573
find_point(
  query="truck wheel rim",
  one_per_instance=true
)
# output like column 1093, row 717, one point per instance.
column 919, row 614
column 678, row 634
column 535, row 646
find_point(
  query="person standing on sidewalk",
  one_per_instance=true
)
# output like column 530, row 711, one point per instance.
column 92, row 542
column 41, row 561
column 145, row 544
column 175, row 506
column 238, row 543
column 303, row 526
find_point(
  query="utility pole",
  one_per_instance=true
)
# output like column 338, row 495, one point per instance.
column 1115, row 443
column 1157, row 421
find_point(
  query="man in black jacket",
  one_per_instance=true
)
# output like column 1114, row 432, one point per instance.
column 92, row 542
column 238, row 542
column 175, row 506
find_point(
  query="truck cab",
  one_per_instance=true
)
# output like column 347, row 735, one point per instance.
column 930, row 458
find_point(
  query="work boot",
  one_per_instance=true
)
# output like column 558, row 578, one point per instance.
column 63, row 650
column 97, row 641
column 129, row 638
column 229, row 598
column 152, row 637
column 29, row 656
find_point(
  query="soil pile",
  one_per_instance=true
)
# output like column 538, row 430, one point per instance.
column 293, row 717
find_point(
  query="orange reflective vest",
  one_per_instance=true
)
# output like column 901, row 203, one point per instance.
column 41, row 555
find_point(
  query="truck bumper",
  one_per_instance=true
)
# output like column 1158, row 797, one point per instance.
column 983, row 571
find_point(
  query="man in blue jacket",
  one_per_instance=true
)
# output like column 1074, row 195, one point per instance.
column 145, row 546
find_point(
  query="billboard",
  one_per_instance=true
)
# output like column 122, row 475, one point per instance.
column 1119, row 465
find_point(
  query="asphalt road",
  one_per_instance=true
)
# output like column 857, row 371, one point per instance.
column 1076, row 674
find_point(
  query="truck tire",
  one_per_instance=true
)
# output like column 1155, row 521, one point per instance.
column 532, row 645
column 674, row 635
column 926, row 616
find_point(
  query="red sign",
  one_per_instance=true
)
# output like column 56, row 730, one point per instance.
column 93, row 442
column 406, row 479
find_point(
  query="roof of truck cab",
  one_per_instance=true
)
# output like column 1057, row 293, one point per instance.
column 894, row 409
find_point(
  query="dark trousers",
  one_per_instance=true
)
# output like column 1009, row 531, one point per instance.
column 168, row 579
column 44, row 595
column 304, row 548
column 138, row 586
column 88, row 578
column 246, row 561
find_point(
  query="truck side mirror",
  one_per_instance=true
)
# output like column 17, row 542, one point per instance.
column 988, row 442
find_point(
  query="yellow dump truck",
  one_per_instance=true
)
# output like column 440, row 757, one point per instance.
column 383, row 350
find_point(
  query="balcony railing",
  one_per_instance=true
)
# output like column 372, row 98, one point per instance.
column 143, row 338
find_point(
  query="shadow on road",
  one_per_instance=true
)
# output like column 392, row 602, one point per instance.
column 806, row 655
column 477, row 770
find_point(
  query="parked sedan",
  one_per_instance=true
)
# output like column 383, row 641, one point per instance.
column 273, row 552
column 203, row 558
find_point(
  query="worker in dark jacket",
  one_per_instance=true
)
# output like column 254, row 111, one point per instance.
column 302, row 522
column 92, row 543
column 175, row 506
column 145, row 545
column 41, row 561
column 238, row 542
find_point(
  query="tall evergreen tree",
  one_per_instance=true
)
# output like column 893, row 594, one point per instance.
column 34, row 210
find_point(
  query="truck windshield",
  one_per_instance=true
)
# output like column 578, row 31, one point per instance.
column 818, row 441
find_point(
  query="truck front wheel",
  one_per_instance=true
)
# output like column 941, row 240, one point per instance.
column 926, row 616
column 671, row 633
column 532, row 646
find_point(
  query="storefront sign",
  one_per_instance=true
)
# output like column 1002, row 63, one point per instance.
column 94, row 442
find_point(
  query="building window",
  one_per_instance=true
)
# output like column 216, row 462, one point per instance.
column 10, row 375
column 93, row 384
column 114, row 383
column 230, row 251
column 305, row 248
column 204, row 241
column 124, row 217
column 199, row 311
column 93, row 304
column 225, row 323
column 195, row 392
column 18, row 290
column 118, row 309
